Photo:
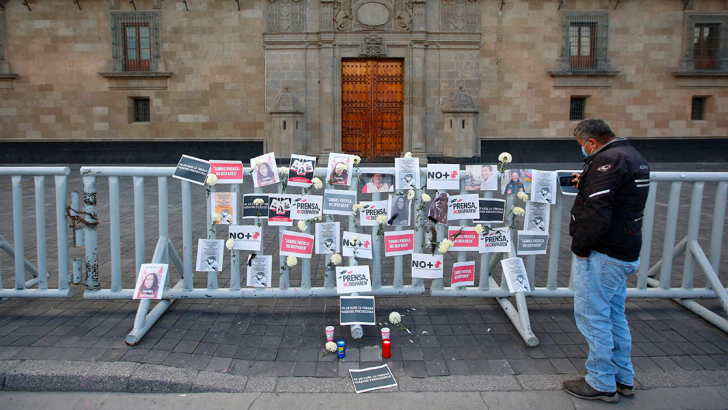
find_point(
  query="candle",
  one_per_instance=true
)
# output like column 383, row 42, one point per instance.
column 386, row 348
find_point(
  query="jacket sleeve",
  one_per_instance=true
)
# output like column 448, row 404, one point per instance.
column 605, row 179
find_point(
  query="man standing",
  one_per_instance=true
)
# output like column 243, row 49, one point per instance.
column 606, row 224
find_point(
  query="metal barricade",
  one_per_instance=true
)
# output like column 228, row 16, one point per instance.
column 40, row 273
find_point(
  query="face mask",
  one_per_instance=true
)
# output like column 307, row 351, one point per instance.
column 583, row 151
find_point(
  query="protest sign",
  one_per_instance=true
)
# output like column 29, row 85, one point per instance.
column 350, row 279
column 192, row 169
column 399, row 243
column 426, row 266
column 463, row 274
column 372, row 378
column 357, row 310
column 246, row 237
column 296, row 244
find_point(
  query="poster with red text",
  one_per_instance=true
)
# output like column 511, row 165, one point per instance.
column 296, row 244
column 227, row 172
column 463, row 274
column 463, row 238
column 399, row 243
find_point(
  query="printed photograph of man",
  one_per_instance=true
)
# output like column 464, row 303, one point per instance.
column 438, row 209
column 514, row 185
column 489, row 180
column 376, row 184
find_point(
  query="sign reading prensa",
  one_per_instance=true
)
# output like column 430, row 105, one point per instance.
column 296, row 244
column 350, row 279
column 227, row 172
column 463, row 207
column 497, row 240
column 339, row 202
column 532, row 243
column 307, row 207
column 399, row 243
column 463, row 238
column 357, row 310
column 370, row 211
column 463, row 274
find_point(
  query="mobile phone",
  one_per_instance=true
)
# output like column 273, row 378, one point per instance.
column 566, row 181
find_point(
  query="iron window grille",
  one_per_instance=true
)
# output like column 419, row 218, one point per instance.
column 707, row 43
column 585, row 41
column 577, row 108
column 141, row 109
column 135, row 41
column 698, row 109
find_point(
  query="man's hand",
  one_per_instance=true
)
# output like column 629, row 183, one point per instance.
column 580, row 257
column 576, row 176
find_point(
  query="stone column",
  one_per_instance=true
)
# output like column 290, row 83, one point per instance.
column 288, row 127
column 460, row 125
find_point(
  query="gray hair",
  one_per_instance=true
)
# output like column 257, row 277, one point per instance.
column 593, row 128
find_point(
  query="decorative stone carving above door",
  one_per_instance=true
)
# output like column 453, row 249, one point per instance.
column 367, row 15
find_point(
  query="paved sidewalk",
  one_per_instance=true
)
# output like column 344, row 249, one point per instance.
column 258, row 345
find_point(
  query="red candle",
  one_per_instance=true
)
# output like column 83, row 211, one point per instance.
column 386, row 348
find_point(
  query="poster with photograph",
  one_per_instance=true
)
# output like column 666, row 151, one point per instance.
column 300, row 172
column 279, row 210
column 340, row 169
column 516, row 276
column 439, row 209
column 363, row 247
column 350, row 279
column 398, row 243
column 497, row 240
column 544, row 187
column 467, row 238
column 537, row 216
column 357, row 310
column 227, row 172
column 463, row 274
column 443, row 176
column 370, row 211
column 253, row 211
column 514, row 181
column 377, row 183
column 532, row 243
column 398, row 213
column 265, row 170
column 427, row 266
column 327, row 238
column 566, row 187
column 225, row 203
column 463, row 207
column 150, row 281
column 259, row 271
column 246, row 237
column 339, row 202
column 192, row 169
column 307, row 207
column 372, row 378
column 209, row 255
column 481, row 177
column 296, row 244
column 491, row 211
column 407, row 173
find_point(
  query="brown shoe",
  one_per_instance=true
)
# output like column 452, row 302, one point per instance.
column 625, row 390
column 581, row 389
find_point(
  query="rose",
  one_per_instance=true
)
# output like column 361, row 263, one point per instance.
column 410, row 194
column 340, row 167
column 445, row 244
column 408, row 155
column 357, row 207
column 230, row 243
column 357, row 159
column 522, row 196
column 505, row 157
column 302, row 225
column 331, row 347
column 518, row 211
column 258, row 202
column 479, row 229
column 336, row 259
column 211, row 179
column 283, row 171
column 291, row 261
column 381, row 219
column 258, row 162
column 354, row 239
column 216, row 217
column 395, row 318
column 317, row 183
column 426, row 198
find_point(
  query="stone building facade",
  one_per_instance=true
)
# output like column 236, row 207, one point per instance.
column 444, row 79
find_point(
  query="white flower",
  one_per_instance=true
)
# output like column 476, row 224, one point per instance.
column 230, row 243
column 479, row 229
column 302, row 225
column 445, row 244
column 356, row 207
column 291, row 261
column 258, row 202
column 522, row 196
column 357, row 159
column 410, row 194
column 407, row 155
column 354, row 239
column 258, row 162
column 395, row 318
column 518, row 211
column 340, row 167
column 317, row 183
column 505, row 157
column 211, row 179
column 336, row 259
column 381, row 219
column 426, row 198
column 216, row 217
column 283, row 171
column 330, row 347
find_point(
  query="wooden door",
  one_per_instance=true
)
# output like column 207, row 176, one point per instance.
column 372, row 96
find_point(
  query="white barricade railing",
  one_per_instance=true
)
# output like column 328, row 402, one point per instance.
column 40, row 273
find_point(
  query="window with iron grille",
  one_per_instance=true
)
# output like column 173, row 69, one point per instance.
column 135, row 41
column 698, row 109
column 141, row 109
column 585, row 39
column 577, row 108
column 707, row 43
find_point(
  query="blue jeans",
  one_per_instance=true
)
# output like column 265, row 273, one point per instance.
column 599, row 293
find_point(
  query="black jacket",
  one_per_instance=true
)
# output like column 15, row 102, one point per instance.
column 608, row 210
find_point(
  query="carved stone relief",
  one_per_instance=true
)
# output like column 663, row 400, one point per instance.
column 460, row 101
column 373, row 47
column 285, row 16
column 361, row 15
column 460, row 16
